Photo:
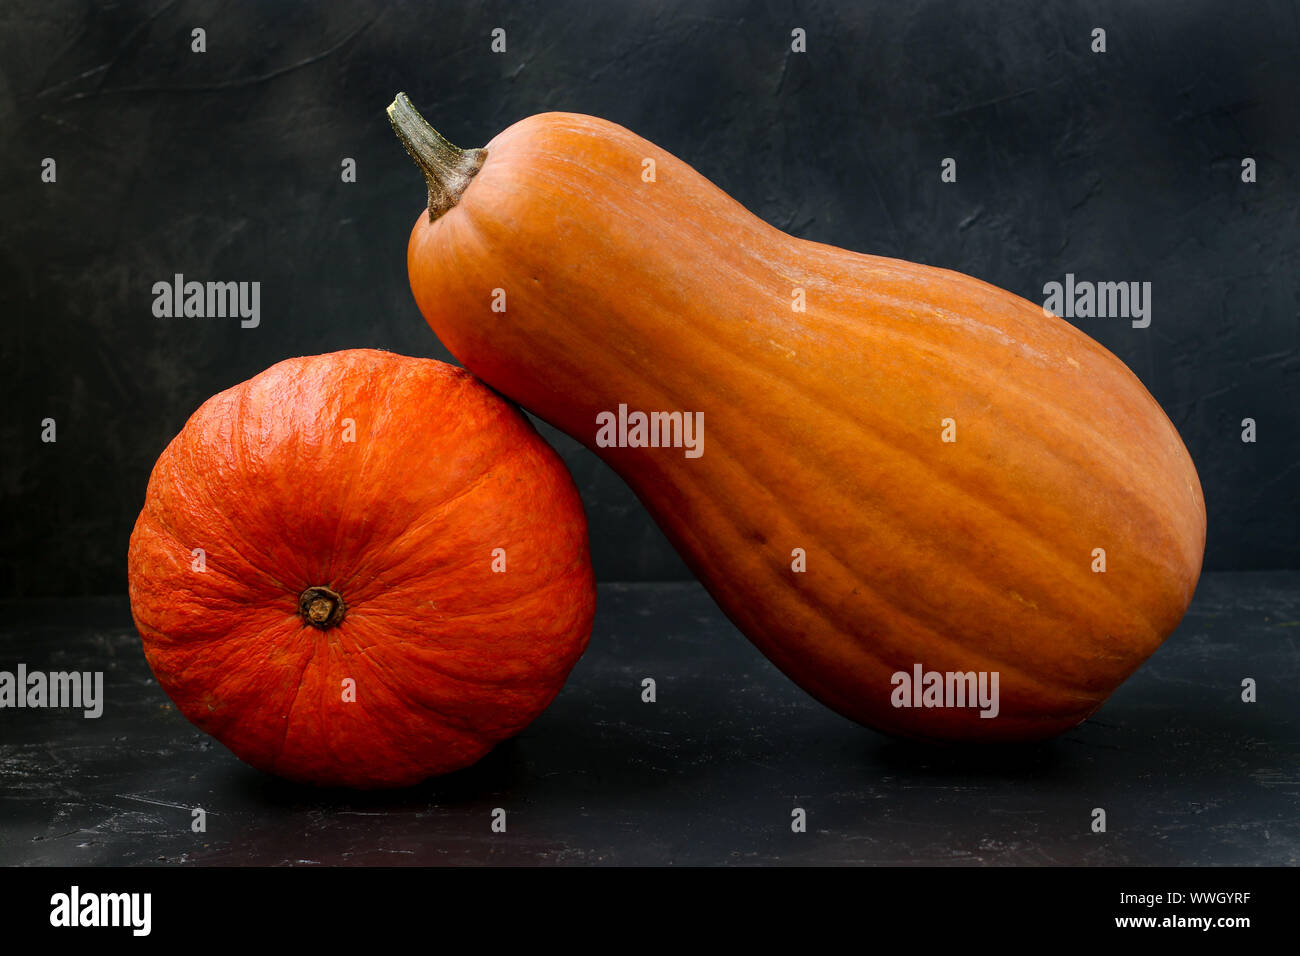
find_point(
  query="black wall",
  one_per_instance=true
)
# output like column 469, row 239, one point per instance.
column 226, row 165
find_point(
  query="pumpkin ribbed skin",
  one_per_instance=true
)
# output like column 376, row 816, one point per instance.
column 448, row 657
column 822, row 430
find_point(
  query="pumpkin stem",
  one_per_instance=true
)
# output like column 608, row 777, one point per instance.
column 321, row 607
column 447, row 169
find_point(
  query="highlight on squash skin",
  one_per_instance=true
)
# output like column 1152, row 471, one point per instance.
column 825, row 430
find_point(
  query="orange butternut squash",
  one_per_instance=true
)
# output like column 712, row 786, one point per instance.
column 918, row 473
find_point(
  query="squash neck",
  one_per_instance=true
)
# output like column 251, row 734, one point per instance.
column 447, row 169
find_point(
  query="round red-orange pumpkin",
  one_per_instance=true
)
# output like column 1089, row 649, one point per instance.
column 361, row 569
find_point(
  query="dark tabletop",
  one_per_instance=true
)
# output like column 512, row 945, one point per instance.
column 710, row 773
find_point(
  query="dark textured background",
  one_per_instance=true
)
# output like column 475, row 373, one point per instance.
column 225, row 166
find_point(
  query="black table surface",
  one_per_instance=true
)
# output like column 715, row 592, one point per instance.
column 710, row 773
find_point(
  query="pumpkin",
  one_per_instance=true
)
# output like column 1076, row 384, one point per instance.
column 361, row 569
column 905, row 472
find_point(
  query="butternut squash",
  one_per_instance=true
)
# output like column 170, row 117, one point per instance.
column 917, row 474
